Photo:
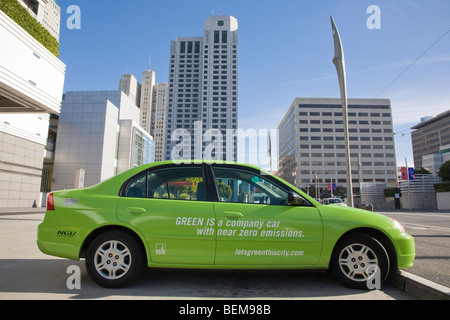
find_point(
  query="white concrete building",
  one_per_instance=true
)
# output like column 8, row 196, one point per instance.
column 31, row 87
column 98, row 131
column 135, row 146
column 31, row 77
column 203, row 85
column 433, row 162
column 311, row 142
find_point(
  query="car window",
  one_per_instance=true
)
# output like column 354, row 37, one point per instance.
column 177, row 184
column 240, row 186
column 137, row 188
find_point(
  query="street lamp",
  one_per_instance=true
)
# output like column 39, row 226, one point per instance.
column 339, row 62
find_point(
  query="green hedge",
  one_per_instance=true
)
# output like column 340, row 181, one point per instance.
column 23, row 18
column 390, row 192
column 442, row 187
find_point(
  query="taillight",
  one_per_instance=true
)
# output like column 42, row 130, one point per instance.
column 50, row 203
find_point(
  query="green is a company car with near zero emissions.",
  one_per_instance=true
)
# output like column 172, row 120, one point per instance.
column 216, row 216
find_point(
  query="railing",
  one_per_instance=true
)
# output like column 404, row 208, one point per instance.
column 421, row 183
column 373, row 188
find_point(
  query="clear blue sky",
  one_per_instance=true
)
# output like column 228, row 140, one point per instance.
column 285, row 51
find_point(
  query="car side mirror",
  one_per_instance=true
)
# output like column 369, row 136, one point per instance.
column 294, row 199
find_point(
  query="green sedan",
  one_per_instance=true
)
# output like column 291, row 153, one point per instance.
column 216, row 216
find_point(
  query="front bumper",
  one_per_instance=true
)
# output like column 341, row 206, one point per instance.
column 406, row 251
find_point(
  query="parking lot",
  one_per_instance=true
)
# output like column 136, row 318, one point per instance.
column 29, row 274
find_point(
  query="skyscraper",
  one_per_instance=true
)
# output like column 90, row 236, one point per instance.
column 158, row 126
column 131, row 87
column 203, row 91
column 146, row 99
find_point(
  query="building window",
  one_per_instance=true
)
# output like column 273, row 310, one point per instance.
column 216, row 36
column 224, row 37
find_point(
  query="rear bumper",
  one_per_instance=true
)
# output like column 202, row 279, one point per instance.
column 56, row 241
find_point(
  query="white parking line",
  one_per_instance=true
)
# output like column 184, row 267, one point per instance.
column 425, row 227
column 404, row 214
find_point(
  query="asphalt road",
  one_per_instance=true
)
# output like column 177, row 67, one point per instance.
column 431, row 232
column 26, row 273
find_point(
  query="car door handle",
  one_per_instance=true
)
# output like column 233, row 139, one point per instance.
column 136, row 210
column 233, row 215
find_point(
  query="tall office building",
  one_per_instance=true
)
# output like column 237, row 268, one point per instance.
column 159, row 111
column 131, row 87
column 152, row 99
column 47, row 12
column 203, row 90
column 311, row 142
column 429, row 136
column 146, row 99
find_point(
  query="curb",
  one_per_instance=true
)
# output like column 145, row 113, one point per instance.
column 19, row 211
column 418, row 287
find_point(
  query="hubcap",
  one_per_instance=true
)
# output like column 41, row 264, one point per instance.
column 112, row 260
column 356, row 261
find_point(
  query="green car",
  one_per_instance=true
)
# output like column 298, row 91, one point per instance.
column 216, row 216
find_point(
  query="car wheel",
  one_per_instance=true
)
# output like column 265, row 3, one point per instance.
column 114, row 259
column 359, row 260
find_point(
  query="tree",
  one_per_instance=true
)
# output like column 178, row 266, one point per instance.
column 422, row 171
column 444, row 171
column 225, row 191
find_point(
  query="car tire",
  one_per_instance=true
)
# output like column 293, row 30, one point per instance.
column 114, row 259
column 360, row 261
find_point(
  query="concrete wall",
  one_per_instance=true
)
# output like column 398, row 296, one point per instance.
column 420, row 200
column 21, row 164
column 443, row 200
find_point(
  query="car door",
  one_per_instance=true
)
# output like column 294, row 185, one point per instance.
column 170, row 208
column 256, row 226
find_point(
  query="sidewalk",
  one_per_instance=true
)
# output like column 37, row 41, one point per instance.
column 413, row 285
